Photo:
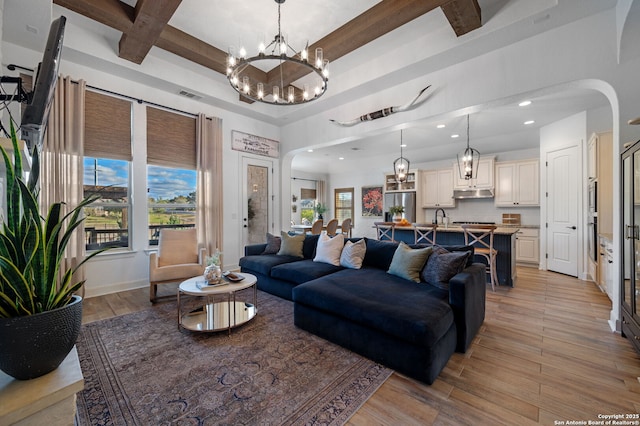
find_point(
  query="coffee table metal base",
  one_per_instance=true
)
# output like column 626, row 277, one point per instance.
column 218, row 316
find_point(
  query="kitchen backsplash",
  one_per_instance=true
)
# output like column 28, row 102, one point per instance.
column 482, row 210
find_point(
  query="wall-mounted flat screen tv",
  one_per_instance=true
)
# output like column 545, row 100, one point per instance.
column 36, row 112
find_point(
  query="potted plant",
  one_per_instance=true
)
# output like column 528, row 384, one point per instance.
column 40, row 317
column 396, row 212
column 320, row 209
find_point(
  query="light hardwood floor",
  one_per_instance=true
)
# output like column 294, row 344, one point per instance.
column 544, row 354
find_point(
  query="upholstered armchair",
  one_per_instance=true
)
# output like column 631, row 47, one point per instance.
column 177, row 259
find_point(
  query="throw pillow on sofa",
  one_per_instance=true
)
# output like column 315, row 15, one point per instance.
column 273, row 244
column 329, row 249
column 291, row 245
column 407, row 262
column 353, row 254
column 444, row 265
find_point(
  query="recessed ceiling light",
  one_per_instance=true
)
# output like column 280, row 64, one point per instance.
column 529, row 122
column 455, row 135
column 340, row 158
column 524, row 103
column 441, row 126
column 309, row 150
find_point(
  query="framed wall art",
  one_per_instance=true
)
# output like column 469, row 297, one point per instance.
column 372, row 200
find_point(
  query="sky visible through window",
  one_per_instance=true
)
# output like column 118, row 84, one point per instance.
column 164, row 183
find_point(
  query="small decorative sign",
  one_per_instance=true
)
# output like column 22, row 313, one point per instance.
column 254, row 144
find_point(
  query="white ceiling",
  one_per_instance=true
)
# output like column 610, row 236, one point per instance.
column 494, row 128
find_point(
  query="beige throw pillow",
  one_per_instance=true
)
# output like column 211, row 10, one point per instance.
column 329, row 249
column 291, row 245
column 353, row 254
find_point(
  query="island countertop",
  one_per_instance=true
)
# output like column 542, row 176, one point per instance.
column 503, row 230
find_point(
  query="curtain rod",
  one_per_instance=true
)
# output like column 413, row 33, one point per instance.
column 310, row 180
column 12, row 67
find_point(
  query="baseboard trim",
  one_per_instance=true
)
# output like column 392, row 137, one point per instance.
column 114, row 288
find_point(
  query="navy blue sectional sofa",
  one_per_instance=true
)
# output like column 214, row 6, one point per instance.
column 411, row 327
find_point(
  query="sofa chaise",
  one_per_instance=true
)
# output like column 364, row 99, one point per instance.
column 412, row 327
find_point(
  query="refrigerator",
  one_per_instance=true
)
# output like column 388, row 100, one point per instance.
column 406, row 199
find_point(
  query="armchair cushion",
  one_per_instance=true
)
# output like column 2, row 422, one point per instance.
column 177, row 246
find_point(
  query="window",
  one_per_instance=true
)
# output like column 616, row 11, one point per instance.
column 171, row 171
column 107, row 165
column 171, row 199
column 343, row 202
column 107, row 220
column 307, row 201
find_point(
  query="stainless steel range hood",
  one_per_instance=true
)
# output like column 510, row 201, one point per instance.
column 463, row 194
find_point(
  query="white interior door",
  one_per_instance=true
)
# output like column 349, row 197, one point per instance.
column 562, row 210
column 257, row 200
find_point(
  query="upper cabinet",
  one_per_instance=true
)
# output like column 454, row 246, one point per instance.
column 391, row 185
column 517, row 183
column 483, row 180
column 437, row 188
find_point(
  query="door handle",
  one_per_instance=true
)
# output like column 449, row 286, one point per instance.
column 572, row 227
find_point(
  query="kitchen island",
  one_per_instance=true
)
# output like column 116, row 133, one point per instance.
column 504, row 240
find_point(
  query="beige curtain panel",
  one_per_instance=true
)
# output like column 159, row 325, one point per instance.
column 209, row 208
column 61, row 160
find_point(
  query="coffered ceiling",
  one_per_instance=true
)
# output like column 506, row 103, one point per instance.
column 179, row 47
column 148, row 23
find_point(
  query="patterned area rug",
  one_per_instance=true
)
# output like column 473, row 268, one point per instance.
column 139, row 369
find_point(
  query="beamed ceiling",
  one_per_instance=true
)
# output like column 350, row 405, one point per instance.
column 147, row 25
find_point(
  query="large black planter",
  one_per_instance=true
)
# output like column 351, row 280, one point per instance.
column 34, row 345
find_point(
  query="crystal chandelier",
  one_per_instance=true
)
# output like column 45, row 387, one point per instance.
column 401, row 165
column 468, row 163
column 240, row 77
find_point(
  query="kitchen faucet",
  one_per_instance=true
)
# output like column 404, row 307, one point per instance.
column 435, row 220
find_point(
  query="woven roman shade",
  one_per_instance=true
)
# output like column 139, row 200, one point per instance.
column 107, row 127
column 171, row 139
column 307, row 194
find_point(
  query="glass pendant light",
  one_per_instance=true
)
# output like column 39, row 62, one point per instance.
column 468, row 162
column 401, row 165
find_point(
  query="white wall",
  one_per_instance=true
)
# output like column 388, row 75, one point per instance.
column 116, row 271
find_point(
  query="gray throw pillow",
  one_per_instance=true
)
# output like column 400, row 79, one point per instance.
column 291, row 245
column 442, row 266
column 407, row 262
column 273, row 244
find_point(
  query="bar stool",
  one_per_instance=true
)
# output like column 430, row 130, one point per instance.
column 425, row 232
column 385, row 230
column 475, row 235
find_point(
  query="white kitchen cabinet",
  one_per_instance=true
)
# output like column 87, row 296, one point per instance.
column 528, row 246
column 437, row 188
column 391, row 185
column 483, row 180
column 605, row 261
column 517, row 183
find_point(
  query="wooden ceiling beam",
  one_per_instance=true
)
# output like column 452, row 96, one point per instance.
column 151, row 17
column 111, row 13
column 375, row 22
column 463, row 15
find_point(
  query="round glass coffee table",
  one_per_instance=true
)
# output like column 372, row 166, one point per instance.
column 221, row 310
